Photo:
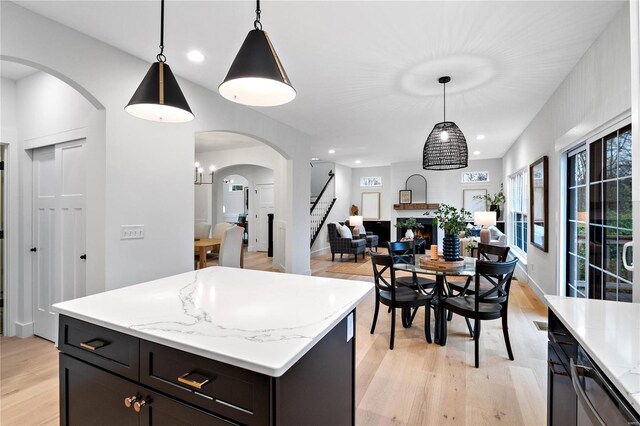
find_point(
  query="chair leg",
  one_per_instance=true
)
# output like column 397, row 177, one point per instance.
column 393, row 327
column 333, row 257
column 427, row 323
column 375, row 314
column 355, row 257
column 476, row 336
column 450, row 316
column 468, row 326
column 505, row 331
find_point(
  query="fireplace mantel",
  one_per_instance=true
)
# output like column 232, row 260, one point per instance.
column 416, row 206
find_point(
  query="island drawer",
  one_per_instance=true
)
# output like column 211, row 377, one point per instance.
column 235, row 393
column 109, row 349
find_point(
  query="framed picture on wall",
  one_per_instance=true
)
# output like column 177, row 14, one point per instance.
column 475, row 177
column 469, row 202
column 370, row 205
column 405, row 196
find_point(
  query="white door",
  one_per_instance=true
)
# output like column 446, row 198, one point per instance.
column 58, row 230
column 264, row 207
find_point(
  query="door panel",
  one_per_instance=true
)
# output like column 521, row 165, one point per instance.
column 59, row 233
column 266, row 199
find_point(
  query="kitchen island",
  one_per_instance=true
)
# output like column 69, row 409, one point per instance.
column 594, row 361
column 213, row 346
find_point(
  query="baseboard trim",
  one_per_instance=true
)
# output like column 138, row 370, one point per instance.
column 520, row 269
column 321, row 251
column 24, row 330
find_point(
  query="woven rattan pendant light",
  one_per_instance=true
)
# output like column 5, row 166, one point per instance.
column 159, row 98
column 446, row 146
column 256, row 76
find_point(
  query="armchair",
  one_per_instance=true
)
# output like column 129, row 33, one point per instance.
column 343, row 245
column 371, row 239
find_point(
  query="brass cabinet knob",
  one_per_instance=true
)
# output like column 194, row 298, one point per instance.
column 139, row 404
column 129, row 401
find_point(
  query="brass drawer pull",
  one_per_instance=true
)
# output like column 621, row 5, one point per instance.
column 94, row 344
column 129, row 401
column 137, row 406
column 197, row 382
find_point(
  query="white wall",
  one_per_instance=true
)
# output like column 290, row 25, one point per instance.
column 146, row 164
column 595, row 92
column 341, row 209
column 319, row 175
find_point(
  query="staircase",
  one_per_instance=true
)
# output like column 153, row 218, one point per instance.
column 321, row 207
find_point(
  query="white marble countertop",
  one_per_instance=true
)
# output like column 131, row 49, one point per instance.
column 610, row 333
column 260, row 321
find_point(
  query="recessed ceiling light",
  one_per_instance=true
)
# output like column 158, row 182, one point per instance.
column 476, row 152
column 480, row 137
column 314, row 159
column 195, row 56
column 332, row 151
column 358, row 161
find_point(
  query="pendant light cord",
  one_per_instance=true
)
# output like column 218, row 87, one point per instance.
column 257, row 24
column 444, row 102
column 160, row 57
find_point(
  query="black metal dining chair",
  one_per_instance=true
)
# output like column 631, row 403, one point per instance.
column 486, row 304
column 390, row 295
column 486, row 252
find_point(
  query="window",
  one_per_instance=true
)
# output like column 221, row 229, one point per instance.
column 475, row 177
column 518, row 212
column 599, row 219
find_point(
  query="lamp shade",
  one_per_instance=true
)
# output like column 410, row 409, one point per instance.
column 445, row 148
column 355, row 220
column 256, row 76
column 484, row 218
column 159, row 97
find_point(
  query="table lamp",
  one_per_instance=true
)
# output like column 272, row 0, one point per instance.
column 356, row 222
column 485, row 219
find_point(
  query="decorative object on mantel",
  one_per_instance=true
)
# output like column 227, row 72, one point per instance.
column 494, row 201
column 409, row 224
column 485, row 219
column 256, row 76
column 446, row 146
column 371, row 182
column 451, row 221
column 417, row 184
column 158, row 97
column 198, row 175
column 405, row 196
column 416, row 206
column 539, row 202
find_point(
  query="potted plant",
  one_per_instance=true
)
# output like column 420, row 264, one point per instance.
column 451, row 221
column 494, row 201
column 409, row 224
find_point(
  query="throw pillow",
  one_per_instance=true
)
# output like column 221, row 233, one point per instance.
column 345, row 232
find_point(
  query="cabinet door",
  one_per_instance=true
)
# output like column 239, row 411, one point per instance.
column 159, row 410
column 562, row 401
column 90, row 396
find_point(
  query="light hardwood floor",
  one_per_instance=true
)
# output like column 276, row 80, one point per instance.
column 415, row 384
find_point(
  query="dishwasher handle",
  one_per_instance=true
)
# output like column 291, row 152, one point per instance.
column 583, row 400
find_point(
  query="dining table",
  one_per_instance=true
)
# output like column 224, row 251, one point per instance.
column 202, row 246
column 439, row 291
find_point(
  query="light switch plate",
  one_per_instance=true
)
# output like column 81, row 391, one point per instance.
column 131, row 232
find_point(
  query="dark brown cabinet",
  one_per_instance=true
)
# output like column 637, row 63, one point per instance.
column 111, row 378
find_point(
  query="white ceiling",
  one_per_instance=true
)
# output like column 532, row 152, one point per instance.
column 366, row 72
column 220, row 141
column 15, row 71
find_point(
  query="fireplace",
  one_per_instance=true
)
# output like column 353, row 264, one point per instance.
column 427, row 232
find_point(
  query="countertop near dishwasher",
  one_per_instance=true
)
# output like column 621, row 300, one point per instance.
column 261, row 321
column 610, row 333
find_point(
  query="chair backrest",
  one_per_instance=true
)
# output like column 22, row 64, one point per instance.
column 382, row 263
column 499, row 275
column 220, row 228
column 333, row 233
column 231, row 247
column 492, row 253
column 202, row 230
column 401, row 251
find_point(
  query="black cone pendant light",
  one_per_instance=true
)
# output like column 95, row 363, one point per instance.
column 446, row 146
column 159, row 97
column 256, row 76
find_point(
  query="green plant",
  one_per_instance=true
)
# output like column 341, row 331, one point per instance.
column 410, row 223
column 497, row 199
column 450, row 219
column 472, row 244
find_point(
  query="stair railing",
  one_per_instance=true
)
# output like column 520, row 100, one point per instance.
column 322, row 206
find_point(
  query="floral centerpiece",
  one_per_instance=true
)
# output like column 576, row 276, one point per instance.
column 409, row 224
column 451, row 221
